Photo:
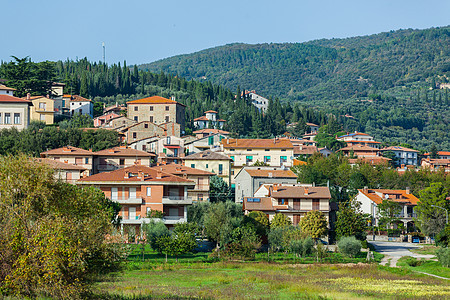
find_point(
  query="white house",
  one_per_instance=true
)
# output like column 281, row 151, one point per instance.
column 404, row 155
column 210, row 117
column 260, row 102
column 81, row 105
column 359, row 138
column 4, row 90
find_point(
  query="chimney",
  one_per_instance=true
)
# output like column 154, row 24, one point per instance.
column 270, row 175
column 111, row 150
column 90, row 149
column 127, row 174
column 306, row 191
column 408, row 191
column 275, row 187
column 28, row 96
column 123, row 147
column 365, row 188
column 66, row 149
column 158, row 174
column 178, row 169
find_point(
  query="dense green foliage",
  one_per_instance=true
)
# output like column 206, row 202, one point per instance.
column 280, row 220
column 314, row 224
column 349, row 246
column 381, row 82
column 351, row 221
column 443, row 255
column 432, row 219
column 55, row 238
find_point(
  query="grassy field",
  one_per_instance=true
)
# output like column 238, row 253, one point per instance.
column 197, row 276
column 426, row 250
column 427, row 266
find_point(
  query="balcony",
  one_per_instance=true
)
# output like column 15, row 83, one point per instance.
column 406, row 216
column 122, row 200
column 171, row 142
column 174, row 219
column 131, row 220
column 176, row 200
column 108, row 167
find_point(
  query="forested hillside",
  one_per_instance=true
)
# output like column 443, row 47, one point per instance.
column 388, row 83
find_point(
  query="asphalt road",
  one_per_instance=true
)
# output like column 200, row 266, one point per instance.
column 394, row 251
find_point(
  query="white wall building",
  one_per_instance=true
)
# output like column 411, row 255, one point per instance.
column 81, row 105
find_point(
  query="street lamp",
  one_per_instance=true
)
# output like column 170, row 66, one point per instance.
column 446, row 212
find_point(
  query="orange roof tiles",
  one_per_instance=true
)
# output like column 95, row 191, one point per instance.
column 359, row 148
column 176, row 169
column 374, row 160
column 300, row 192
column 123, row 151
column 77, row 98
column 12, row 99
column 398, row 148
column 257, row 143
column 68, row 150
column 211, row 111
column 5, row 88
column 439, row 153
column 305, row 150
column 154, row 100
column 136, row 173
column 395, row 195
column 265, row 204
column 202, row 118
column 57, row 165
column 270, row 173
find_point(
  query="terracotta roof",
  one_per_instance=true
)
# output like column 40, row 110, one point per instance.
column 210, row 131
column 211, row 111
column 362, row 142
column 257, row 143
column 5, row 88
column 312, row 124
column 135, row 172
column 264, row 204
column 299, row 192
column 123, row 151
column 305, row 150
column 154, row 100
column 221, row 120
column 67, row 96
column 68, row 150
column 270, row 173
column 359, row 148
column 202, row 118
column 439, row 153
column 297, row 162
column 177, row 169
column 77, row 98
column 57, row 165
column 12, row 99
column 353, row 134
column 437, row 161
column 374, row 160
column 398, row 148
column 392, row 194
column 207, row 155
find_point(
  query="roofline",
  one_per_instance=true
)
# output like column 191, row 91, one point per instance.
column 134, row 182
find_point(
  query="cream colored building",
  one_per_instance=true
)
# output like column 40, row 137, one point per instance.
column 72, row 155
column 246, row 152
column 210, row 161
column 157, row 110
column 14, row 112
column 43, row 109
column 65, row 171
column 120, row 157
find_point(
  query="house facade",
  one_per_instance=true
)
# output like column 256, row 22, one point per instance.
column 209, row 120
column 261, row 103
column 103, row 119
column 436, row 164
column 292, row 201
column 120, row 157
column 72, row 155
column 200, row 192
column 209, row 131
column 157, row 110
column 80, row 105
column 43, row 109
column 169, row 149
column 371, row 198
column 211, row 161
column 204, row 143
column 64, row 171
column 249, row 179
column 404, row 156
column 140, row 189
column 4, row 90
column 142, row 130
column 14, row 112
column 359, row 138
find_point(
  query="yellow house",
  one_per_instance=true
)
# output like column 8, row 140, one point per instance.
column 211, row 161
column 43, row 109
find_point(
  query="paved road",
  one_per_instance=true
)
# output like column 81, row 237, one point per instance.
column 394, row 251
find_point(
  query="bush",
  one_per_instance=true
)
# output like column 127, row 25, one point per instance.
column 443, row 237
column 296, row 247
column 308, row 246
column 349, row 246
column 412, row 262
column 153, row 231
column 280, row 220
column 364, row 244
column 443, row 255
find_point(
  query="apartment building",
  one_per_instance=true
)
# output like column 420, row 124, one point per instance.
column 246, row 152
column 64, row 171
column 359, row 138
column 14, row 112
column 72, row 155
column 142, row 130
column 157, row 110
column 43, row 109
column 404, row 156
column 249, row 179
column 140, row 189
column 169, row 149
column 200, row 192
column 292, row 201
column 209, row 131
column 121, row 157
column 211, row 161
column 204, row 143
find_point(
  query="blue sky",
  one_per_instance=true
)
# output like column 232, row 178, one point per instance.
column 141, row 31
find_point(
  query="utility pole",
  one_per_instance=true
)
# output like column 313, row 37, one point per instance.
column 103, row 45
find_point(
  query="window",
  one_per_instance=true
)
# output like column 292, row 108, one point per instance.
column 249, row 149
column 42, row 105
column 136, row 108
column 266, row 159
column 42, row 118
column 232, row 157
column 151, row 108
column 149, row 191
column 211, row 140
column 266, row 149
column 207, row 166
column 165, row 151
column 193, row 166
column 146, row 125
column 316, row 204
column 1, row 118
column 16, row 118
column 132, row 194
column 283, row 159
column 283, row 150
column 200, row 197
column 167, row 119
column 168, row 140
column 151, row 119
column 249, row 158
column 253, row 199
column 86, row 160
column 167, row 108
column 220, row 169
column 122, row 161
column 134, row 135
column 136, row 118
column 7, row 118
column 282, row 202
column 144, row 147
column 114, row 193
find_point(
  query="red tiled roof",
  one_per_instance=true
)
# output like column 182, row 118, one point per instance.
column 202, row 118
column 207, row 155
column 257, row 143
column 374, row 160
column 300, row 192
column 176, row 169
column 5, row 88
column 149, row 174
column 312, row 124
column 12, row 99
column 393, row 194
column 265, row 204
column 270, row 173
column 221, row 120
column 359, row 148
column 154, row 100
column 123, row 151
column 305, row 150
column 398, row 148
column 439, row 153
column 210, row 131
column 57, row 165
column 211, row 111
column 68, row 150
column 77, row 98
